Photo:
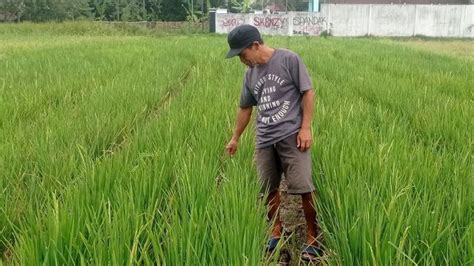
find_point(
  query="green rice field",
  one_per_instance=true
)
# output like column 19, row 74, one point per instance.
column 112, row 149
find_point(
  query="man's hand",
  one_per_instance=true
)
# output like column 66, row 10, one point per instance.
column 231, row 147
column 304, row 139
column 243, row 117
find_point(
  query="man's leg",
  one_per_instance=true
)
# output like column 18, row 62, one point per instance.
column 269, row 172
column 313, row 230
column 273, row 202
column 297, row 168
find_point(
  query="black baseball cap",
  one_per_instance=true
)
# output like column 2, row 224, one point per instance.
column 240, row 38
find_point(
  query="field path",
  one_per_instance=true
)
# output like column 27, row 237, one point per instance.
column 152, row 112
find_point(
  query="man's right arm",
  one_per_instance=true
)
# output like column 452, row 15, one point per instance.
column 242, row 120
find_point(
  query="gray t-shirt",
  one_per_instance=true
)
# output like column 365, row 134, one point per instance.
column 276, row 89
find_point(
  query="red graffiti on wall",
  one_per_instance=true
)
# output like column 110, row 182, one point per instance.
column 231, row 22
column 270, row 22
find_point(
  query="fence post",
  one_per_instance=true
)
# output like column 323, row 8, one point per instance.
column 212, row 20
column 461, row 24
column 328, row 18
column 313, row 6
column 414, row 23
column 370, row 20
column 290, row 23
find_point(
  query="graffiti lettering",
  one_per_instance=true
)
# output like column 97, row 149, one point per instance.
column 470, row 28
column 270, row 22
column 309, row 25
column 302, row 21
column 231, row 22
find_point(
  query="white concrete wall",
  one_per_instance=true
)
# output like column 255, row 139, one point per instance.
column 428, row 22
column 392, row 20
column 467, row 27
column 347, row 20
column 360, row 20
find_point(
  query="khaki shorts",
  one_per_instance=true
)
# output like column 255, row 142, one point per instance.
column 284, row 157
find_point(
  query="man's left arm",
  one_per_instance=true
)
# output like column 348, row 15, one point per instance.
column 305, row 139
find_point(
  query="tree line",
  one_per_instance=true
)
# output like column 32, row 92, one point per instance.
column 107, row 10
column 126, row 10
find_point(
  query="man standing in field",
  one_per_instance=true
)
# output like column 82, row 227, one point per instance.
column 278, row 84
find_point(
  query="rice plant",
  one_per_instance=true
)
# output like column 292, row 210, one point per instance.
column 112, row 150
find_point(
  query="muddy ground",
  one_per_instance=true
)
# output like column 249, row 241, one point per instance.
column 294, row 224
